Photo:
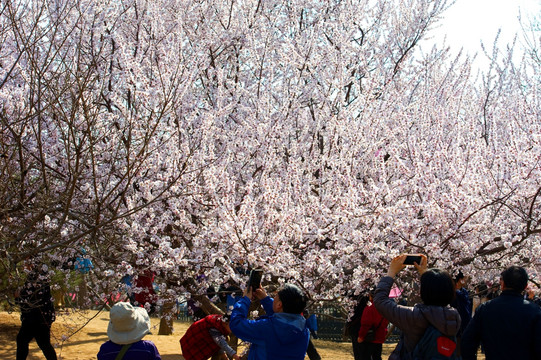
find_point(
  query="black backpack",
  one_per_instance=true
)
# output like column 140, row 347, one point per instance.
column 434, row 345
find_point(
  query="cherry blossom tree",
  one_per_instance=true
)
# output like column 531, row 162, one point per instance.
column 96, row 126
column 312, row 139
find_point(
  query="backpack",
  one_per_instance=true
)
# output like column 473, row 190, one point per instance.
column 434, row 345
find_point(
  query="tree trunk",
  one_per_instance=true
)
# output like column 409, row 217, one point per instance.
column 166, row 321
column 207, row 306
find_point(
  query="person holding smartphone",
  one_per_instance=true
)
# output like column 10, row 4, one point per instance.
column 437, row 292
column 280, row 334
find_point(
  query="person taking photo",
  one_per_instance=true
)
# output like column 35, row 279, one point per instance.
column 437, row 292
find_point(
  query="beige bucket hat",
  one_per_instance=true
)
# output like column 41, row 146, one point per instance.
column 127, row 324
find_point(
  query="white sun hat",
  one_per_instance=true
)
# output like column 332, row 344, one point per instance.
column 127, row 324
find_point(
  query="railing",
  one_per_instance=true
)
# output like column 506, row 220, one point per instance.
column 331, row 323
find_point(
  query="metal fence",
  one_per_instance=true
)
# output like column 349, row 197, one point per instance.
column 331, row 323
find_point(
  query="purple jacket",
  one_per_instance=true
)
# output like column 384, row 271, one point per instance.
column 413, row 321
column 141, row 350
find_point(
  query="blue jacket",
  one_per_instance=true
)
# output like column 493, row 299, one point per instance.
column 311, row 323
column 280, row 336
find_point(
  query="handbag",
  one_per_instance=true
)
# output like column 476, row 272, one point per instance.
column 371, row 334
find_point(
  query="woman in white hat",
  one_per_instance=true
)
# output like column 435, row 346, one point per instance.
column 127, row 327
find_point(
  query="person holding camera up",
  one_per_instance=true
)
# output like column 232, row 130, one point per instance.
column 281, row 333
column 437, row 292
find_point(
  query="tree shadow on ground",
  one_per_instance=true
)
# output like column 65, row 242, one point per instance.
column 172, row 357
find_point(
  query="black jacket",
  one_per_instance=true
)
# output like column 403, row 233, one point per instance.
column 35, row 300
column 508, row 326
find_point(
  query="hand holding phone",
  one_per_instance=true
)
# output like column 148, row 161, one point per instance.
column 255, row 279
column 412, row 258
column 399, row 262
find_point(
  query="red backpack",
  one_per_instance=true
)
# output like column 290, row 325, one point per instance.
column 434, row 345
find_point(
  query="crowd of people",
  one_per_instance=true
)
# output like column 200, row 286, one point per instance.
column 444, row 324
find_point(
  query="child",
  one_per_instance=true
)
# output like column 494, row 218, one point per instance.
column 206, row 338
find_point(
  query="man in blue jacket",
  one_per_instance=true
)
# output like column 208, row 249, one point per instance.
column 279, row 335
column 508, row 327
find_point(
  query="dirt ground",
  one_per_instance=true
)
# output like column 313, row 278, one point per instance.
column 86, row 340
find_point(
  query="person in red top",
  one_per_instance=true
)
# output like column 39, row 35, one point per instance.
column 206, row 338
column 372, row 319
column 145, row 293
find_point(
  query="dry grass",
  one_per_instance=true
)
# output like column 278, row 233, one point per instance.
column 85, row 343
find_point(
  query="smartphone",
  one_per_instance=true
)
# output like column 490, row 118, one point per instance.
column 410, row 259
column 255, row 279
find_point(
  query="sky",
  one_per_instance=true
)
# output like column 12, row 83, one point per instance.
column 467, row 22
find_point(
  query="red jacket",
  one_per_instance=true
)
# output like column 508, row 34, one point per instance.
column 372, row 318
column 147, row 294
column 197, row 343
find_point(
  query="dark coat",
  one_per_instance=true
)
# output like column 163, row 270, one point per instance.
column 354, row 324
column 35, row 300
column 508, row 327
column 413, row 321
column 463, row 304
